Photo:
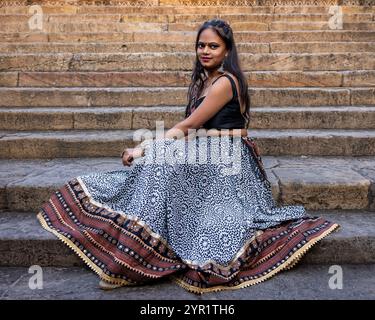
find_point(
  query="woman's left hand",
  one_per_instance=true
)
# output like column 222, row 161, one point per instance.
column 130, row 154
column 127, row 157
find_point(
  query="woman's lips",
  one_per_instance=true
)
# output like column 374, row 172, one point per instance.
column 205, row 59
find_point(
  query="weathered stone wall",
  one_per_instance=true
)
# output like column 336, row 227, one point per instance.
column 236, row 3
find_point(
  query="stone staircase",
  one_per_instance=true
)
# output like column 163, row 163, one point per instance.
column 73, row 93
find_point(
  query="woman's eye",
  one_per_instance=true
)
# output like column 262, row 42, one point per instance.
column 213, row 46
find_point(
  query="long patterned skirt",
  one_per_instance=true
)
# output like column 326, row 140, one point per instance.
column 199, row 211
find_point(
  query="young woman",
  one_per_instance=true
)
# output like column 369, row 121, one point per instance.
column 206, row 225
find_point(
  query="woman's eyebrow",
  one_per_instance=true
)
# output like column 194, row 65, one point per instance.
column 209, row 42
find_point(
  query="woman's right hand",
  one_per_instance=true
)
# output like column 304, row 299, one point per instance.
column 127, row 157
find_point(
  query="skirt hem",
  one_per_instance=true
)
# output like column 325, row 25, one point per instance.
column 294, row 259
column 288, row 264
column 82, row 256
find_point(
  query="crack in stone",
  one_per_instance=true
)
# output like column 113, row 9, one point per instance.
column 277, row 165
column 371, row 197
column 71, row 61
column 280, row 193
column 74, row 114
column 132, row 110
column 13, row 285
column 371, row 189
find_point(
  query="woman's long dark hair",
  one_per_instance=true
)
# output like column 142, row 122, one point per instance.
column 231, row 64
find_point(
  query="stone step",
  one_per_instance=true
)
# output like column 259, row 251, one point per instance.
column 109, row 143
column 136, row 23
column 189, row 36
column 172, row 96
column 303, row 282
column 40, row 119
column 265, row 79
column 318, row 183
column 168, row 61
column 272, row 47
column 146, row 17
column 192, row 8
column 76, row 47
column 320, row 47
column 79, row 284
column 279, row 26
column 313, row 118
column 23, row 242
column 91, row 27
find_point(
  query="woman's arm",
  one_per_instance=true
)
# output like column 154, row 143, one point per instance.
column 216, row 99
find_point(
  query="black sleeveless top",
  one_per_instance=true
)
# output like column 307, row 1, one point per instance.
column 229, row 116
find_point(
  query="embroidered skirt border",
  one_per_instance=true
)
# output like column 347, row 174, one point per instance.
column 121, row 249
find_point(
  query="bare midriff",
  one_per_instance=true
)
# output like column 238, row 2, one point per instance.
column 231, row 132
column 220, row 132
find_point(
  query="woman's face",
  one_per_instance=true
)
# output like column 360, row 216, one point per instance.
column 210, row 45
